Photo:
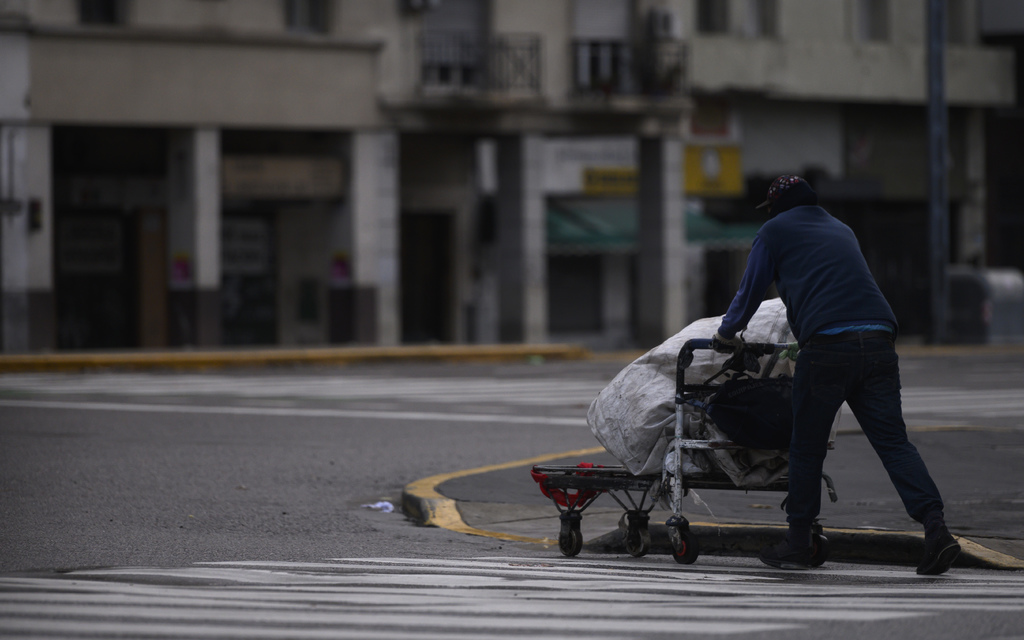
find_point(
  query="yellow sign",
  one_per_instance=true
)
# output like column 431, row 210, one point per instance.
column 708, row 171
column 611, row 181
column 712, row 170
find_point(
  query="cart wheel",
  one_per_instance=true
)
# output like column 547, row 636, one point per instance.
column 638, row 541
column 685, row 547
column 819, row 544
column 570, row 539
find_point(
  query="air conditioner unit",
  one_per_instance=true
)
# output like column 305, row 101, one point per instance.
column 664, row 25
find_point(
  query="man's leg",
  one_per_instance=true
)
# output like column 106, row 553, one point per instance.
column 819, row 387
column 878, row 408
column 819, row 390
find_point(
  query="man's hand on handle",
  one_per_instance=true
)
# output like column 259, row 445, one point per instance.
column 726, row 345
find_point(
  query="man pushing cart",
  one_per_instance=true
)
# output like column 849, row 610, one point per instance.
column 845, row 330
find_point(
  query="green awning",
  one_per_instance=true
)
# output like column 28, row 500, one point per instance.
column 610, row 226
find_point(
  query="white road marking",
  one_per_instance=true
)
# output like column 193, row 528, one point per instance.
column 298, row 412
column 424, row 599
column 994, row 403
column 930, row 403
column 532, row 391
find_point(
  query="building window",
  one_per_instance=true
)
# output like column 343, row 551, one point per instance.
column 101, row 11
column 712, row 16
column 760, row 19
column 306, row 16
column 871, row 20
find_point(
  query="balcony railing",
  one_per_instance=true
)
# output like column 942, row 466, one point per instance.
column 608, row 68
column 467, row 63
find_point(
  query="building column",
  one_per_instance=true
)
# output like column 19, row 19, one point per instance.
column 661, row 263
column 27, row 312
column 522, row 240
column 970, row 236
column 365, row 303
column 194, row 242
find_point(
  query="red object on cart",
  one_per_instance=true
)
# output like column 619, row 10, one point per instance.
column 565, row 497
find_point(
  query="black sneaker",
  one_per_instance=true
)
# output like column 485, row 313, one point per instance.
column 939, row 554
column 782, row 556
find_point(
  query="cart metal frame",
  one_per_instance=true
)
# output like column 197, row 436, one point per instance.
column 574, row 488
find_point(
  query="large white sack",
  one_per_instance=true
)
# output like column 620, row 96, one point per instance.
column 633, row 414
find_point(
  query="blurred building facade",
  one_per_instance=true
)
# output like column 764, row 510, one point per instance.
column 1002, row 25
column 298, row 172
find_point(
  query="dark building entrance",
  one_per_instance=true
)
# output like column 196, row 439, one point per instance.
column 426, row 250
column 248, row 279
column 110, row 237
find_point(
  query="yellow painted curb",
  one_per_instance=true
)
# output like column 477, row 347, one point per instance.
column 994, row 558
column 434, row 509
column 263, row 357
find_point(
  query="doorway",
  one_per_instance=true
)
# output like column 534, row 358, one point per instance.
column 96, row 280
column 426, row 254
column 248, row 280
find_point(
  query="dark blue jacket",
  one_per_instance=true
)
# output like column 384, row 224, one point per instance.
column 819, row 271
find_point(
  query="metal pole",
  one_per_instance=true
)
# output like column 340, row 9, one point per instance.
column 938, row 184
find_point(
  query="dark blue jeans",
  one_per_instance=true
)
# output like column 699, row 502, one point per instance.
column 865, row 374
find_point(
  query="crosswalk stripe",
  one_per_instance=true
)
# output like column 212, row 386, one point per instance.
column 423, row 599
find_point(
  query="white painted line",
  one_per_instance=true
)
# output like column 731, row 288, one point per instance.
column 299, row 412
column 487, row 597
column 72, row 629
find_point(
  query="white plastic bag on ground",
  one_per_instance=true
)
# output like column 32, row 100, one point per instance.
column 634, row 416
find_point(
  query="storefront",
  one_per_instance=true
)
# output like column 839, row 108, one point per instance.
column 109, row 237
column 282, row 196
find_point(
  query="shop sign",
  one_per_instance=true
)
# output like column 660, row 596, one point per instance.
column 713, row 171
column 607, row 167
column 282, row 177
column 611, row 181
column 570, row 162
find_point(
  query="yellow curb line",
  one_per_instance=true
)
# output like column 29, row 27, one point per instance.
column 439, row 511
column 995, row 559
column 999, row 560
column 260, row 357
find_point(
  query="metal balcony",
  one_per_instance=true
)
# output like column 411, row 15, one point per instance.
column 609, row 68
column 466, row 63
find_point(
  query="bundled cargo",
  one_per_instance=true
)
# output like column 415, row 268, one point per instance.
column 634, row 416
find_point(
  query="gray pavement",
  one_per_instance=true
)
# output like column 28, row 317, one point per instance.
column 974, row 465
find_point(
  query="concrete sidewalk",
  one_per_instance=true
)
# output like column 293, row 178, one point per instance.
column 503, row 502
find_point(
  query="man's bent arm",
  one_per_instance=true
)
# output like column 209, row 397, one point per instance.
column 758, row 276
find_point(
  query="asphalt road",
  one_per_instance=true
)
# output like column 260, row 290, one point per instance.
column 167, row 469
column 170, row 468
column 163, row 469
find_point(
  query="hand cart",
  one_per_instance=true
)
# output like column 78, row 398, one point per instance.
column 574, row 488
